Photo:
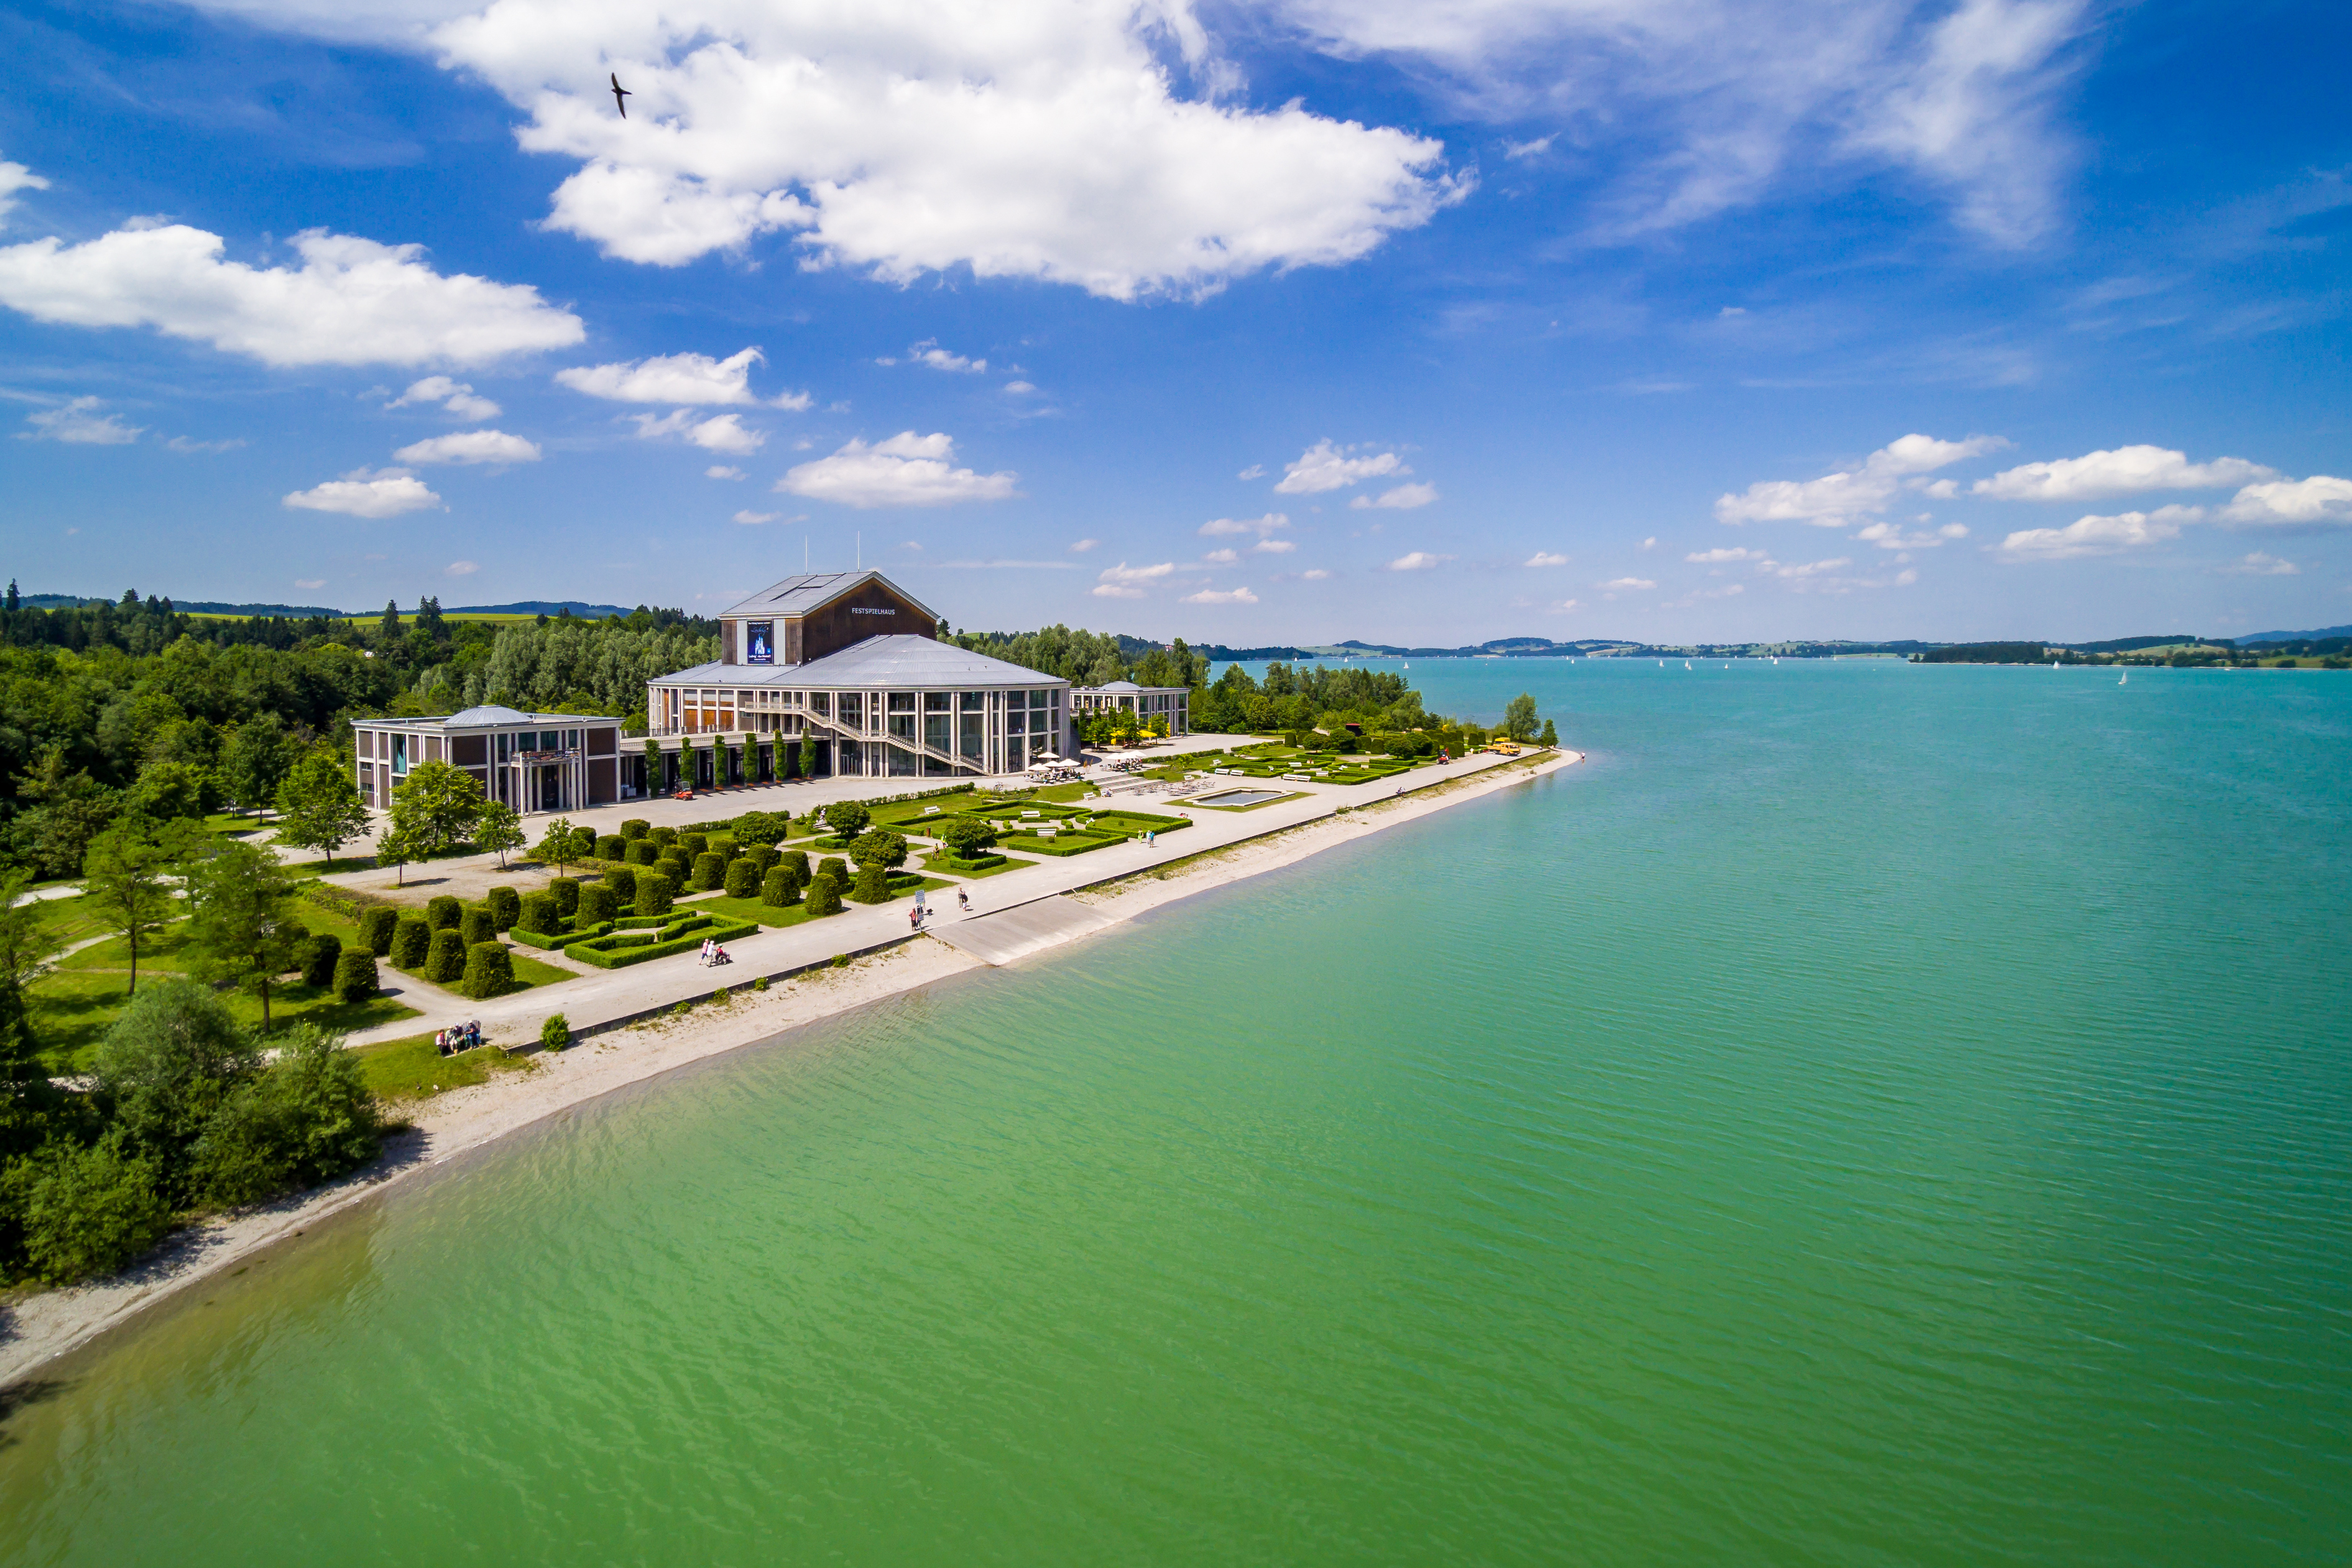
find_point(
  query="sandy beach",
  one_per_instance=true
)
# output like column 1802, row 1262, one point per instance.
column 41, row 1326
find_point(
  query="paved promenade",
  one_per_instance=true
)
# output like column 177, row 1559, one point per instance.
column 600, row 998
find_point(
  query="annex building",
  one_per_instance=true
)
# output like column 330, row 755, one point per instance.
column 532, row 761
column 1172, row 703
column 843, row 674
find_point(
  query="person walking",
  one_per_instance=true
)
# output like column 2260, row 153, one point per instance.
column 963, row 900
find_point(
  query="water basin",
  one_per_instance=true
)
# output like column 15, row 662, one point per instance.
column 1238, row 798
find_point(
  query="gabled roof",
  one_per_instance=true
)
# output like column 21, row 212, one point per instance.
column 813, row 590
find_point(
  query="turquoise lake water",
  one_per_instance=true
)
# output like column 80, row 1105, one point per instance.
column 1867, row 1114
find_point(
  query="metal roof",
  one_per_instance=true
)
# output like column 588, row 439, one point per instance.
column 492, row 716
column 894, row 659
column 812, row 591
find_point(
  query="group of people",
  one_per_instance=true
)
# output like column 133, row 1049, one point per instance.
column 713, row 955
column 918, row 910
column 459, row 1037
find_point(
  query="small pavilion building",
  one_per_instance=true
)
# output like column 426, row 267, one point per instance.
column 1146, row 702
column 532, row 761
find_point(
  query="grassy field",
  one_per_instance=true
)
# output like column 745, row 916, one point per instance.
column 411, row 1068
column 947, row 864
column 72, row 1010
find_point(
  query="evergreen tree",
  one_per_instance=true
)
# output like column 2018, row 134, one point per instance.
column 239, row 921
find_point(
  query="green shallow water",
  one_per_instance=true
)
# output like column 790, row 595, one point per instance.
column 1866, row 1115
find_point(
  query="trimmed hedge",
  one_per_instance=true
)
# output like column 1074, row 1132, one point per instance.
column 655, row 893
column 779, row 889
column 824, row 896
column 506, row 904
column 799, row 861
column 1066, row 844
column 356, row 977
column 538, row 915
column 624, row 948
column 375, row 929
column 611, row 846
column 663, row 837
column 411, row 939
column 694, row 843
column 710, row 871
column 620, row 881
column 642, row 851
column 567, row 894
column 597, row 904
column 635, row 829
column 742, row 879
column 943, row 861
column 445, row 961
column 873, row 885
column 835, row 866
column 724, row 844
column 763, row 858
column 320, row 956
column 444, row 911
column 479, row 926
column 489, row 971
column 676, row 866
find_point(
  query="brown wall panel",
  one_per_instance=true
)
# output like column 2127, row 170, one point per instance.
column 602, row 787
column 470, row 751
column 839, row 625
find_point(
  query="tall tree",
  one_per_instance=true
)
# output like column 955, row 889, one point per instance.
column 557, row 846
column 319, row 806
column 239, row 919
column 126, row 872
column 29, row 1100
column 395, row 846
column 387, row 630
column 437, row 807
column 1519, row 718
column 256, row 761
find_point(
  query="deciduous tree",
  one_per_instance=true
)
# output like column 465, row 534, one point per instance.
column 319, row 807
column 439, row 805
column 557, row 846
column 127, row 874
column 500, row 830
column 240, row 920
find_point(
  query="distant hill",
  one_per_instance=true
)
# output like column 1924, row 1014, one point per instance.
column 299, row 611
column 2295, row 637
column 541, row 607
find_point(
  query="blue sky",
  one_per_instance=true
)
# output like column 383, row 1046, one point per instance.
column 1431, row 321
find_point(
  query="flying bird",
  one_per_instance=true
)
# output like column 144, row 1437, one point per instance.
column 620, row 93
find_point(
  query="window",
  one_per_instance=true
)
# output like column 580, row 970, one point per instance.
column 820, row 701
column 937, row 701
column 902, row 717
column 853, row 708
column 975, row 701
column 975, row 732
column 935, row 730
column 400, row 753
column 1015, row 719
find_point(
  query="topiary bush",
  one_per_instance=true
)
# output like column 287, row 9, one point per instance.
column 873, row 883
column 694, row 843
column 320, row 956
column 799, row 862
column 595, row 905
column 635, row 829
column 846, row 818
column 443, row 912
column 763, row 858
column 479, row 925
column 410, row 939
column 567, row 894
column 556, row 1033
column 779, row 889
column 445, row 960
column 676, row 866
column 538, row 915
column 489, row 971
column 583, row 843
column 505, row 905
column 835, row 866
column 355, row 977
column 663, row 837
column 966, row 837
column 642, row 851
column 611, row 846
column 655, row 893
column 742, row 879
column 375, row 929
column 824, row 896
column 620, row 881
column 710, row 871
column 759, row 829
column 724, row 844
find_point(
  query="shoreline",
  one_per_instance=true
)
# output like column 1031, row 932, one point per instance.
column 45, row 1325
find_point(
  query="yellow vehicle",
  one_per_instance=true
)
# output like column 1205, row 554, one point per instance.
column 1502, row 748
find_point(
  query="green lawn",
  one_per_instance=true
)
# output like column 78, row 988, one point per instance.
column 68, row 919
column 947, row 863
column 411, row 1068
column 752, row 910
column 72, row 1009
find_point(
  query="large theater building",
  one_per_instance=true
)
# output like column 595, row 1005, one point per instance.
column 843, row 674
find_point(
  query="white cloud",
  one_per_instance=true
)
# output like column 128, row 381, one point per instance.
column 1317, row 574
column 1628, row 583
column 1079, row 547
column 1718, row 557
column 1890, row 536
column 2125, row 470
column 454, row 396
column 1213, row 596
column 461, row 569
column 79, row 423
column 1221, row 557
column 1255, row 471
column 310, row 583
column 1018, row 140
column 2318, row 501
column 387, row 492
column 1809, row 569
column 2100, row 535
column 748, row 517
column 1650, row 542
column 1272, row 547
column 1227, row 527
column 928, row 353
column 719, row 433
column 689, row 378
column 15, row 177
column 1714, row 103
column 1403, row 498
column 470, row 446
column 1020, row 387
column 1417, row 561
column 1837, row 499
column 2259, row 564
column 351, row 301
column 1116, row 591
column 1567, row 604
column 1534, row 149
column 188, row 445
column 722, row 471
column 1547, row 558
column 1323, row 467
column 907, row 469
column 1128, row 576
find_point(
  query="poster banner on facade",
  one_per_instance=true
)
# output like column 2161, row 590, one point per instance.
column 759, row 643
